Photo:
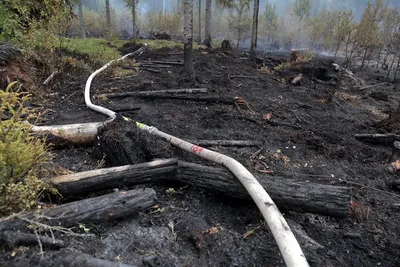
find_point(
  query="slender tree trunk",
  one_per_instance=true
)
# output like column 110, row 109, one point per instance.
column 199, row 37
column 207, row 30
column 81, row 22
column 363, row 60
column 397, row 68
column 379, row 57
column 254, row 31
column 108, row 15
column 188, row 36
column 134, row 31
column 239, row 30
column 337, row 47
column 391, row 66
column 163, row 8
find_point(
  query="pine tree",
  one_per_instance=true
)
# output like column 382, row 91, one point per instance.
column 239, row 20
column 271, row 20
column 132, row 4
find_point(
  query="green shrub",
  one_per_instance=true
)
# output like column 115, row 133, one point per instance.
column 21, row 154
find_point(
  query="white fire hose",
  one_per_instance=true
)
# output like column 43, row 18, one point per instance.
column 287, row 243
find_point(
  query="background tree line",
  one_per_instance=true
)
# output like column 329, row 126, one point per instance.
column 322, row 25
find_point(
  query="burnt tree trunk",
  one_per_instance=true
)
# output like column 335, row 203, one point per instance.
column 391, row 66
column 188, row 37
column 199, row 36
column 133, row 10
column 108, row 17
column 207, row 31
column 397, row 69
column 288, row 194
column 379, row 56
column 81, row 21
column 254, row 30
column 364, row 57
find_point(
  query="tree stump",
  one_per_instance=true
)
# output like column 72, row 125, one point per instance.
column 226, row 45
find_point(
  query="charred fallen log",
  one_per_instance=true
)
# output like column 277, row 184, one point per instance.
column 159, row 93
column 288, row 194
column 207, row 99
column 15, row 239
column 93, row 181
column 104, row 208
column 67, row 258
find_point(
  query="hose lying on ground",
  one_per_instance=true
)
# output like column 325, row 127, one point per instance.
column 287, row 243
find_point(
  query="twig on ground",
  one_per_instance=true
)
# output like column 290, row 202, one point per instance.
column 42, row 226
column 40, row 244
column 50, row 77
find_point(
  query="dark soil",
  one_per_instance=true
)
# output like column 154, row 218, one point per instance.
column 312, row 124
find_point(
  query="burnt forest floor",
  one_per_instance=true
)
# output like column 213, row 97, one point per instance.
column 309, row 137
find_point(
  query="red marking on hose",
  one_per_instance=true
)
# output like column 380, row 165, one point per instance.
column 197, row 149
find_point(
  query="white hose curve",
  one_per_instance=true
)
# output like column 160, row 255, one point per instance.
column 287, row 243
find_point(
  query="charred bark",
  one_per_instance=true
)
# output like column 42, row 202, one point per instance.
column 67, row 258
column 199, row 36
column 155, row 93
column 99, row 209
column 207, row 31
column 134, row 28
column 102, row 179
column 254, row 31
column 288, row 194
column 15, row 239
column 108, row 17
column 188, row 37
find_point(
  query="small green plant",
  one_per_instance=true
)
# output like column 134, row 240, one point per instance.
column 21, row 154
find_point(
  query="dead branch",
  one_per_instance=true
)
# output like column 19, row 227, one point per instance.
column 283, row 124
column 155, row 66
column 241, row 77
column 160, row 93
column 118, row 107
column 372, row 86
column 207, row 99
column 177, row 63
column 14, row 239
column 50, row 77
column 151, row 70
column 378, row 139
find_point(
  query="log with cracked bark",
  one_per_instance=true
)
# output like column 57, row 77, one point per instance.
column 67, row 258
column 288, row 194
column 103, row 208
column 15, row 239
